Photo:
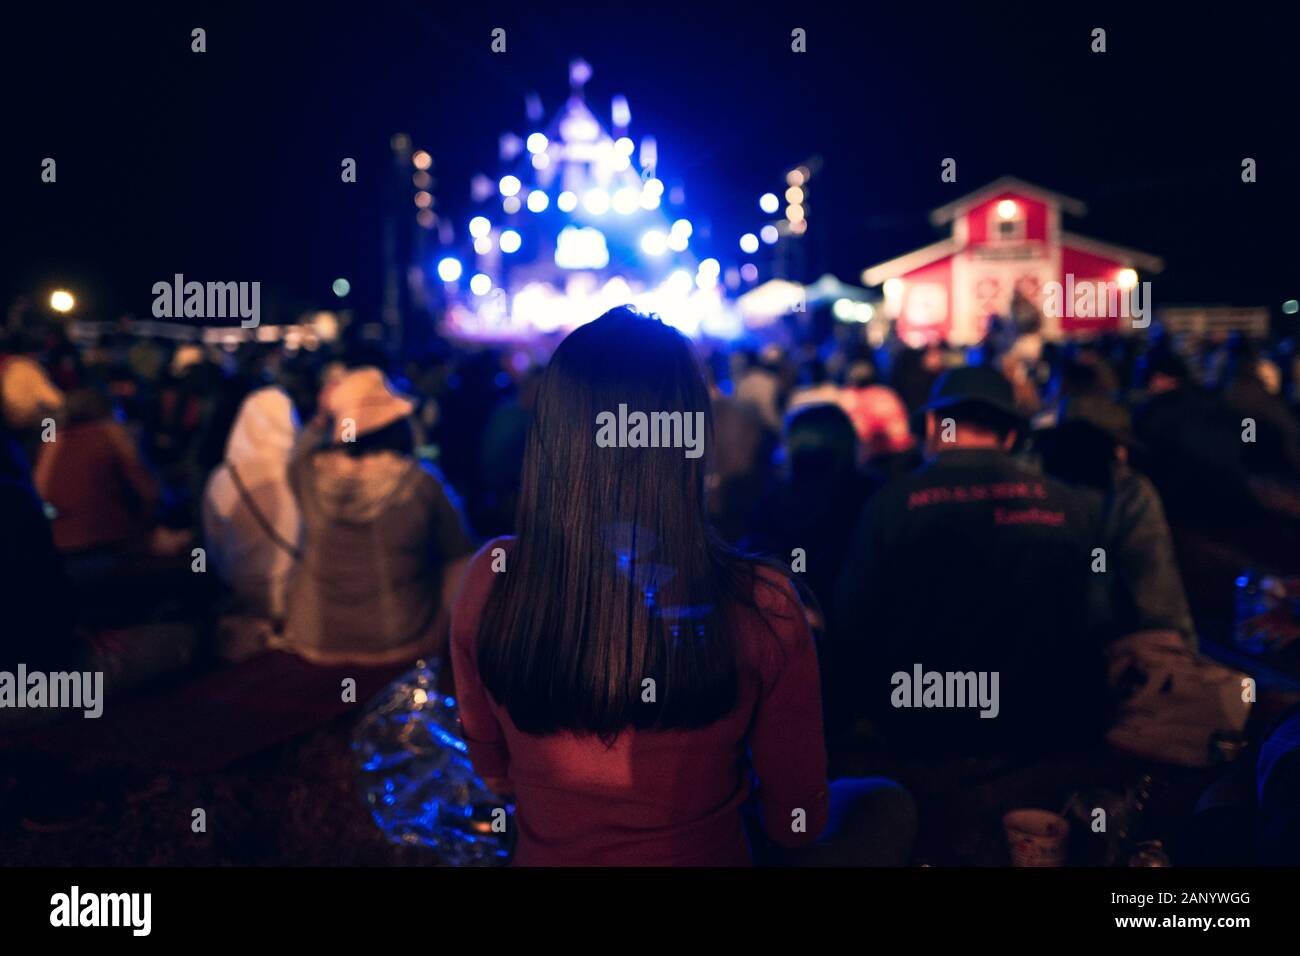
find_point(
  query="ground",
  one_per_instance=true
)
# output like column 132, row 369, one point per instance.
column 295, row 804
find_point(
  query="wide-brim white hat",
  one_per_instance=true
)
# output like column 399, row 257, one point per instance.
column 365, row 398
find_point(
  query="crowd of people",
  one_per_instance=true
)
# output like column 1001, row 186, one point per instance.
column 664, row 659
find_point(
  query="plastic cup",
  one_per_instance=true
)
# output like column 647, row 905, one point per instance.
column 1036, row 837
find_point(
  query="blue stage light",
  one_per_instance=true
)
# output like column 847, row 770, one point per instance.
column 654, row 242
column 626, row 200
column 449, row 269
column 581, row 248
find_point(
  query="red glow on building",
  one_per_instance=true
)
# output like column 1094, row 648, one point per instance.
column 1007, row 243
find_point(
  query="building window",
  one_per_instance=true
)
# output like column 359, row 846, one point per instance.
column 1008, row 230
column 1007, row 222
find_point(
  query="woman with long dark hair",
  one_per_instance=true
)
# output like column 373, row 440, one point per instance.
column 620, row 671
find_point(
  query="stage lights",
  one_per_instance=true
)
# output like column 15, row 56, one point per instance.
column 449, row 269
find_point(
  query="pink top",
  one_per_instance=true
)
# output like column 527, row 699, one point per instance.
column 661, row 798
column 879, row 417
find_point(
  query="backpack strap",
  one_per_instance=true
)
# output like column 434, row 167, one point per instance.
column 257, row 514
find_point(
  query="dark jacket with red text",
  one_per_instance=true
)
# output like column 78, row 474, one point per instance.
column 974, row 563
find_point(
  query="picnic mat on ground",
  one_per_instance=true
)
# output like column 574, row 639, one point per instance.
column 216, row 718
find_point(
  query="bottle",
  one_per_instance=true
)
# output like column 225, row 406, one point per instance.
column 1100, row 822
column 416, row 779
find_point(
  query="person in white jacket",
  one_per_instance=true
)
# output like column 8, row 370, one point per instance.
column 251, row 520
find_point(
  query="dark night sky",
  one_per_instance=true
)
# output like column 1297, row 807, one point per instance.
column 225, row 165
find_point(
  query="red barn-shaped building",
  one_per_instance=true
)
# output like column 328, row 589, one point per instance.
column 1007, row 243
